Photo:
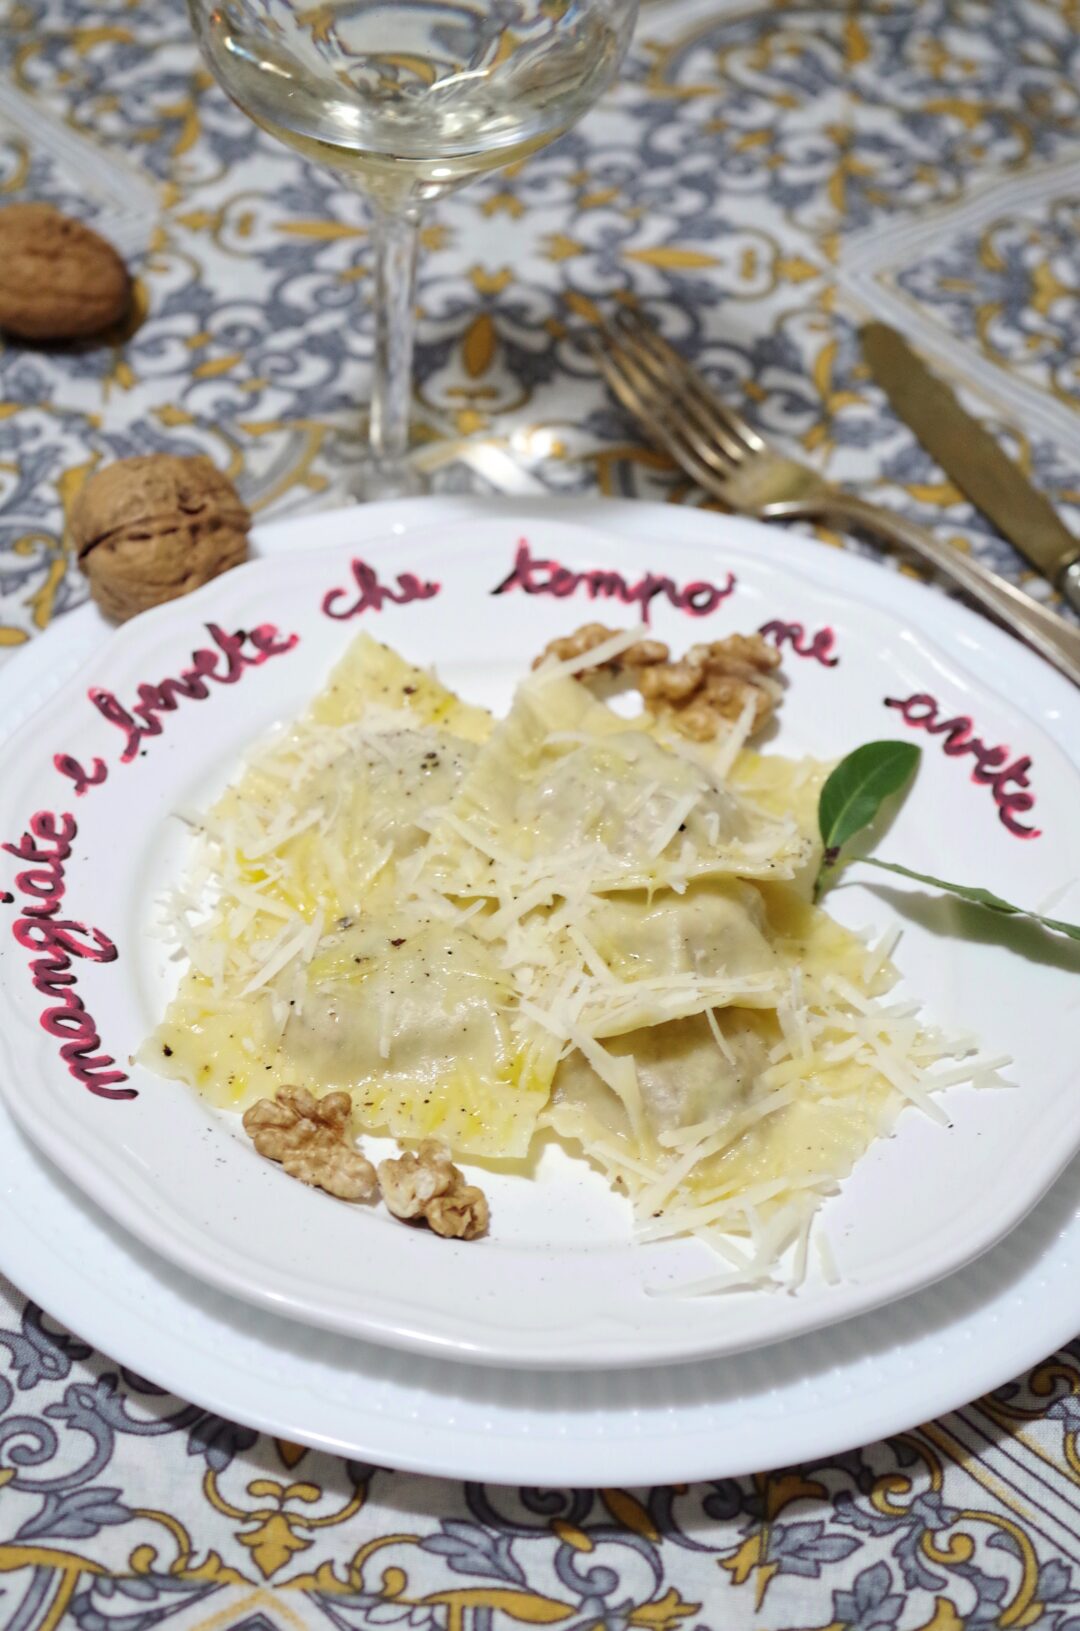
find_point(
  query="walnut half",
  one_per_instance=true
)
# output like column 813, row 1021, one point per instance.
column 427, row 1185
column 713, row 683
column 699, row 693
column 310, row 1138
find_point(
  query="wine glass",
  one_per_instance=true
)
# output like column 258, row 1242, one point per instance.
column 409, row 99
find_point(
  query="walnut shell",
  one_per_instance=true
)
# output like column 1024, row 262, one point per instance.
column 59, row 280
column 150, row 529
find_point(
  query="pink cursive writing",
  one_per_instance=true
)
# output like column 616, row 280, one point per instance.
column 222, row 664
column 371, row 595
column 819, row 646
column 993, row 768
column 56, row 940
column 83, row 778
column 539, row 577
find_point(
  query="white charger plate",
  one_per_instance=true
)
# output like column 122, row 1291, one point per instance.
column 819, row 1395
column 176, row 1176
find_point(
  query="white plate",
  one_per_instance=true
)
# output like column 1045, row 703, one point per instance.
column 176, row 1175
column 843, row 1386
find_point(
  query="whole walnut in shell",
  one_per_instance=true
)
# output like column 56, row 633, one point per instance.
column 151, row 529
column 59, row 280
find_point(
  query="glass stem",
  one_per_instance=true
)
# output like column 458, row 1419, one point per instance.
column 397, row 240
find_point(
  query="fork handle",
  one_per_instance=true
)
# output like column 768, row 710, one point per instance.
column 1049, row 634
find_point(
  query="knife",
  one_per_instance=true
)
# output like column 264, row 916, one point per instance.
column 975, row 461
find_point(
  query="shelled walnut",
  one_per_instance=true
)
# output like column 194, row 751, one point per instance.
column 150, row 529
column 713, row 684
column 700, row 693
column 310, row 1139
column 427, row 1185
column 59, row 279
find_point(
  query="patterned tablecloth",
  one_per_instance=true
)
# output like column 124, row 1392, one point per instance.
column 763, row 179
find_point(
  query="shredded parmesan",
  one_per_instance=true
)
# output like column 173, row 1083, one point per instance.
column 596, row 658
column 294, row 946
column 830, row 1272
column 734, row 740
column 783, row 1052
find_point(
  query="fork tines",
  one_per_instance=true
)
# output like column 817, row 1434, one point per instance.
column 672, row 401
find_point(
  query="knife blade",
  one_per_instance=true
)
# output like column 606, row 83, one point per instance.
column 977, row 463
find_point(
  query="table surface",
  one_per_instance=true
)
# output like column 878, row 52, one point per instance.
column 763, row 180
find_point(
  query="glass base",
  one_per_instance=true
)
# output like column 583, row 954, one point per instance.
column 374, row 479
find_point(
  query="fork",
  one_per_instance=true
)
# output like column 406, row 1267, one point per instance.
column 725, row 455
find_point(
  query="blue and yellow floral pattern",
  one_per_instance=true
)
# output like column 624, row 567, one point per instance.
column 122, row 1509
column 765, row 177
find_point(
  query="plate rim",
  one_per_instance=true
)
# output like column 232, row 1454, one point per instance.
column 444, row 1447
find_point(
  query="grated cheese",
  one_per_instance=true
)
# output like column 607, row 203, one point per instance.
column 550, row 668
column 830, row 1272
column 290, row 857
column 734, row 740
column 294, row 946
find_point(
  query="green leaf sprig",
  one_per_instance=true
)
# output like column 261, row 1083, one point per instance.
column 851, row 799
column 856, row 790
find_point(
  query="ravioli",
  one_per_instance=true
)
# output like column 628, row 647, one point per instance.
column 301, row 975
column 740, row 1131
column 684, row 1081
column 330, row 805
column 565, row 785
column 713, row 928
column 560, row 919
column 647, row 957
column 409, row 1015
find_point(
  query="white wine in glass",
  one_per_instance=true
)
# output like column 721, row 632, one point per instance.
column 409, row 99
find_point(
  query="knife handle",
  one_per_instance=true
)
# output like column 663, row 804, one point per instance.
column 1049, row 634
